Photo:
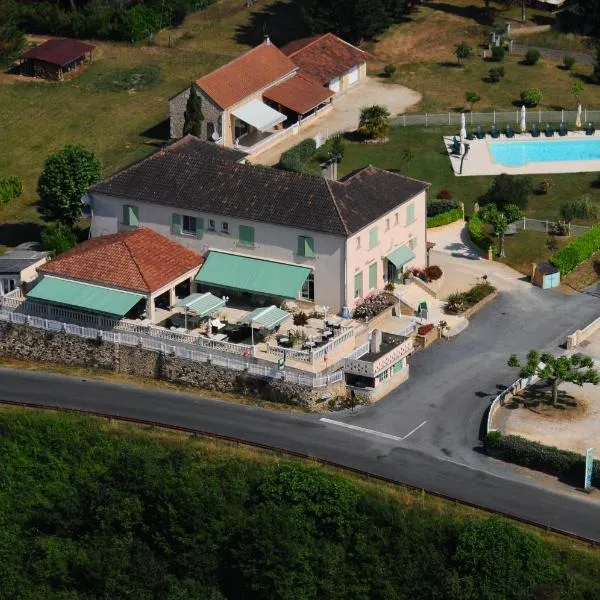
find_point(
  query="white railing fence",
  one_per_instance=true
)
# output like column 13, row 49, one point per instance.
column 131, row 339
column 547, row 225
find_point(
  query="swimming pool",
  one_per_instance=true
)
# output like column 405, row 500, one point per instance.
column 516, row 154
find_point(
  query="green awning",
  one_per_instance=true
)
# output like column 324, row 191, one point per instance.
column 76, row 294
column 252, row 275
column 268, row 317
column 201, row 304
column 400, row 256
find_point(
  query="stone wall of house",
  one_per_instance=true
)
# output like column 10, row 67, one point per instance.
column 37, row 345
column 177, row 106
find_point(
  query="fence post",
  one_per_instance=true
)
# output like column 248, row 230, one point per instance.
column 569, row 224
column 494, row 117
column 404, row 120
column 539, row 116
column 471, row 117
column 448, row 118
column 585, row 115
column 425, row 119
column 562, row 115
column 546, row 225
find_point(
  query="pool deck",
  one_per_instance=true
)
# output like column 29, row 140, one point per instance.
column 478, row 160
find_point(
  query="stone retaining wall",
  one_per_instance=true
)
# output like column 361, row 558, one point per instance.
column 36, row 345
column 477, row 307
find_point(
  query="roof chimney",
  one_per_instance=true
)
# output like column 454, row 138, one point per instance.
column 375, row 341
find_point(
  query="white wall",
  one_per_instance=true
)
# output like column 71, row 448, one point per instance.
column 271, row 241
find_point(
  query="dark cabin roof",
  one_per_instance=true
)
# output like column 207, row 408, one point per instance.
column 201, row 176
column 59, row 51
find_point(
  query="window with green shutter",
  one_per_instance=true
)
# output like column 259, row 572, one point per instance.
column 130, row 215
column 358, row 285
column 410, row 214
column 306, row 246
column 246, row 235
column 373, row 276
column 373, row 235
column 412, row 243
column 176, row 223
column 199, row 227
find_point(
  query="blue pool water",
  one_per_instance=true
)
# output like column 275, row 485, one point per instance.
column 515, row 154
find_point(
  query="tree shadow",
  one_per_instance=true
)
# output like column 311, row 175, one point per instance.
column 160, row 131
column 281, row 21
column 452, row 64
column 480, row 14
column 13, row 234
column 585, row 78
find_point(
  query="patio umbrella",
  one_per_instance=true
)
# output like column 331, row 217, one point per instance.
column 461, row 148
column 578, row 118
column 463, row 127
column 523, row 119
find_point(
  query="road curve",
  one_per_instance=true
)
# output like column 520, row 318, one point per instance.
column 306, row 434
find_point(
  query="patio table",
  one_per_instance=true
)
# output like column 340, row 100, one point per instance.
column 309, row 345
column 327, row 333
column 284, row 340
column 219, row 337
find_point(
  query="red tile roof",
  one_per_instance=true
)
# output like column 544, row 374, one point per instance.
column 59, row 51
column 298, row 44
column 325, row 57
column 245, row 75
column 140, row 260
column 299, row 94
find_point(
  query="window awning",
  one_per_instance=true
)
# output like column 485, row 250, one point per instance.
column 268, row 317
column 202, row 305
column 252, row 275
column 87, row 296
column 259, row 115
column 400, row 256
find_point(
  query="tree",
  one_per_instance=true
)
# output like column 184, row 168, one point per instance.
column 555, row 370
column 338, row 148
column 374, row 121
column 193, row 116
column 508, row 189
column 532, row 56
column 577, row 90
column 462, row 51
column 472, row 98
column 578, row 208
column 58, row 238
column 389, row 70
column 531, row 97
column 66, row 177
column 568, row 62
column 12, row 39
column 500, row 220
column 495, row 74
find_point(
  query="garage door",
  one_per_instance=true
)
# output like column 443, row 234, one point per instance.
column 353, row 75
column 334, row 85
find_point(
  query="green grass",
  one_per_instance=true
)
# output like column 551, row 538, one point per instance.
column 567, row 42
column 134, row 79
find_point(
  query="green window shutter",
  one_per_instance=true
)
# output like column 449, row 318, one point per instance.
column 410, row 214
column 134, row 219
column 199, row 227
column 309, row 247
column 125, row 218
column 246, row 235
column 373, row 238
column 176, row 223
column 397, row 367
column 358, row 285
column 412, row 243
column 373, row 276
column 301, row 245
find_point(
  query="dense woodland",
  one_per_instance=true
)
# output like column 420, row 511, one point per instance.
column 88, row 511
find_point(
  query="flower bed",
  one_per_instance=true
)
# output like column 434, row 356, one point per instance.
column 460, row 302
column 373, row 304
column 429, row 274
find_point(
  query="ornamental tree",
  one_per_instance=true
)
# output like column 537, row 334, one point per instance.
column 462, row 52
column 500, row 220
column 193, row 116
column 508, row 189
column 66, row 177
column 472, row 98
column 577, row 369
column 374, row 121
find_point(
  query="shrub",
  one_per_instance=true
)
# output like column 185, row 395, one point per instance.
column 389, row 70
column 495, row 74
column 460, row 301
column 433, row 273
column 578, row 208
column 546, row 185
column 58, row 238
column 10, row 187
column 450, row 216
column 548, row 459
column 532, row 56
column 297, row 156
column 374, row 122
column 373, row 304
column 437, row 207
column 300, row 318
column 577, row 251
column 568, row 62
column 508, row 189
column 531, row 97
column 389, row 286
column 424, row 329
column 444, row 194
column 476, row 233
column 478, row 292
column 498, row 53
column 456, row 303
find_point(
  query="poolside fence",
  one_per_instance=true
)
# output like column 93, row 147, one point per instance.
column 496, row 118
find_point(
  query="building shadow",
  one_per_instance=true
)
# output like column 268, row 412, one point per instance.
column 479, row 14
column 281, row 21
column 160, row 131
column 13, row 234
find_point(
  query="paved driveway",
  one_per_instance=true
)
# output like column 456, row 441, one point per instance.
column 346, row 109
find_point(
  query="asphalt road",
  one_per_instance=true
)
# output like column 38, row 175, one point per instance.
column 307, row 434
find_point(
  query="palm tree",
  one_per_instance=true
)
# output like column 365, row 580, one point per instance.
column 374, row 122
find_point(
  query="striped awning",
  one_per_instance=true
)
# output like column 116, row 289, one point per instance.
column 268, row 317
column 202, row 305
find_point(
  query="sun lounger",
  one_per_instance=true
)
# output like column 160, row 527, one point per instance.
column 590, row 129
column 562, row 129
column 470, row 134
column 535, row 130
column 548, row 131
column 509, row 132
column 495, row 133
column 480, row 133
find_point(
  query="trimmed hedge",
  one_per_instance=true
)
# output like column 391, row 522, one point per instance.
column 445, row 218
column 577, row 251
column 10, row 187
column 297, row 156
column 548, row 459
column 476, row 233
column 441, row 205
